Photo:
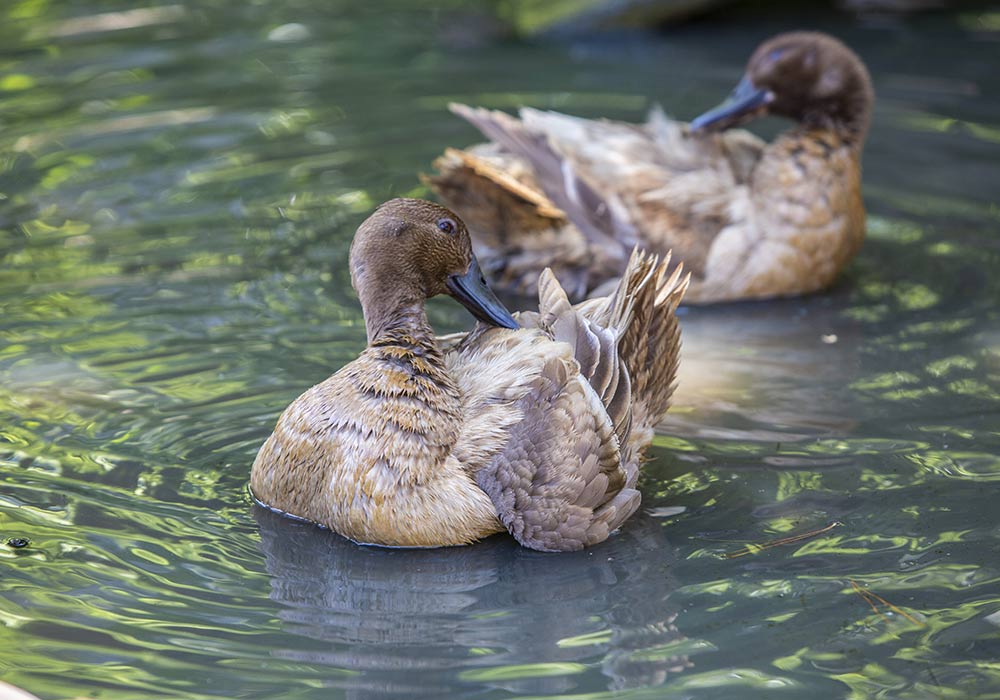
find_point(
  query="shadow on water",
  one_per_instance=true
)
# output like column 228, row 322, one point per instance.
column 461, row 621
column 766, row 372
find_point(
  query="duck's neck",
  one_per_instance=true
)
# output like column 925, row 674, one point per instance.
column 394, row 312
column 851, row 128
column 417, row 394
column 400, row 334
column 849, row 115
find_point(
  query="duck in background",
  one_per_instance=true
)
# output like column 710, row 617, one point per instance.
column 538, row 429
column 748, row 219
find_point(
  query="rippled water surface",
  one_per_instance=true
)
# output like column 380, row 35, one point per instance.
column 178, row 187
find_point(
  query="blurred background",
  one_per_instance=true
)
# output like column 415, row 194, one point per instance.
column 179, row 184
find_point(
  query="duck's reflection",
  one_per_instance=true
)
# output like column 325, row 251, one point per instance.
column 769, row 372
column 459, row 621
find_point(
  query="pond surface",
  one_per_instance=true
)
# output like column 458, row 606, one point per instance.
column 178, row 188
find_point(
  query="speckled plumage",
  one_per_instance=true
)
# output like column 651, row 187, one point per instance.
column 747, row 219
column 538, row 430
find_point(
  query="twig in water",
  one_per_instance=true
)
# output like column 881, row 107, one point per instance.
column 754, row 548
column 870, row 598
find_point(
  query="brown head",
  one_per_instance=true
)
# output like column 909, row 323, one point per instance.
column 806, row 76
column 410, row 250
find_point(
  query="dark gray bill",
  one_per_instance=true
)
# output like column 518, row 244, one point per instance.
column 743, row 103
column 473, row 293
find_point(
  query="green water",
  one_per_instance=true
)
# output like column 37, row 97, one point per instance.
column 178, row 187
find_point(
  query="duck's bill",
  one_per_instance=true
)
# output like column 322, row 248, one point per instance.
column 743, row 104
column 473, row 293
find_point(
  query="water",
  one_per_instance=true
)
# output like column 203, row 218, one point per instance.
column 179, row 186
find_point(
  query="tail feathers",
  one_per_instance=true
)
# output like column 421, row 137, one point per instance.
column 650, row 350
column 642, row 309
column 620, row 303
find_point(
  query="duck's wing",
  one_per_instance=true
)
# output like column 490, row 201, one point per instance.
column 560, row 412
column 558, row 397
column 679, row 150
column 597, row 214
column 558, row 485
column 510, row 175
column 654, row 184
column 517, row 231
column 678, row 190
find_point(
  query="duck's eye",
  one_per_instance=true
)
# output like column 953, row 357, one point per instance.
column 447, row 225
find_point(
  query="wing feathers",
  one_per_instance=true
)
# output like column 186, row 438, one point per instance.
column 565, row 478
column 596, row 218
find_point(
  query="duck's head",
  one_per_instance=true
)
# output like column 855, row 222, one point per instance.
column 807, row 76
column 410, row 250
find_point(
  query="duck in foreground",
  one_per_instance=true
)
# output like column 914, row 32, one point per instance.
column 748, row 219
column 537, row 429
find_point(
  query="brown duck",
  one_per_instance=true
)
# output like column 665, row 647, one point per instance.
column 748, row 219
column 537, row 429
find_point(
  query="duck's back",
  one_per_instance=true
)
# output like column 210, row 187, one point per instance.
column 678, row 192
column 619, row 185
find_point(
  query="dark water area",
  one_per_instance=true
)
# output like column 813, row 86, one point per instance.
column 179, row 184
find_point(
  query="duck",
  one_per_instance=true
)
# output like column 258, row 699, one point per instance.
column 749, row 219
column 535, row 424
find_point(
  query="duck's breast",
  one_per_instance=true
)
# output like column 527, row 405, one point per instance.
column 367, row 453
